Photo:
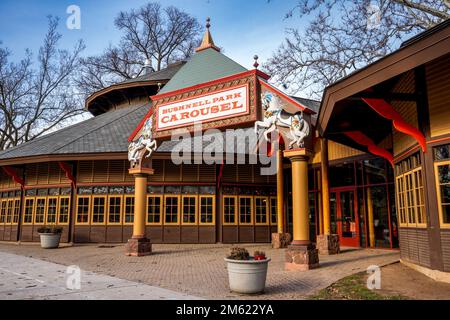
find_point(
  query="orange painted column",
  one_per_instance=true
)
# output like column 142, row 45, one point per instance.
column 280, row 192
column 139, row 244
column 325, row 187
column 302, row 254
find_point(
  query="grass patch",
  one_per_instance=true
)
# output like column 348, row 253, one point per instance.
column 352, row 288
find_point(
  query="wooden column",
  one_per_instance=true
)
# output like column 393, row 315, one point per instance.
column 325, row 187
column 140, row 189
column 300, row 208
column 428, row 173
column 280, row 239
column 302, row 254
column 370, row 218
column 280, row 192
column 319, row 204
column 327, row 243
column 139, row 245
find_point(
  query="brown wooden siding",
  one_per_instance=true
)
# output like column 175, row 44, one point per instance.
column 10, row 233
column 445, row 242
column 246, row 173
column 158, row 166
column 6, row 182
column 103, row 172
column 407, row 110
column 438, row 85
column 336, row 151
column 46, row 173
column 414, row 246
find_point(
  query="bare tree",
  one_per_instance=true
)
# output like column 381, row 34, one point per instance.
column 160, row 35
column 34, row 101
column 344, row 35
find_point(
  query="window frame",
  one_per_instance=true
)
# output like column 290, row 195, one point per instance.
column 56, row 210
column 59, row 210
column 33, row 206
column 89, row 197
column 3, row 211
column 16, row 209
column 161, row 209
column 124, row 220
column 252, row 212
column 402, row 197
column 267, row 210
column 213, row 197
column 438, row 191
column 105, row 213
column 273, row 198
column 9, row 211
column 35, row 211
column 194, row 196
column 108, row 212
column 178, row 210
column 235, row 211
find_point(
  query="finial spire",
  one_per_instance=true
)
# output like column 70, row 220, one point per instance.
column 208, row 41
column 256, row 64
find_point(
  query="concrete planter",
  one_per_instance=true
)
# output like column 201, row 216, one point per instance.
column 50, row 240
column 247, row 276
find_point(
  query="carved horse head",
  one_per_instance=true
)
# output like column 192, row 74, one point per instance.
column 270, row 102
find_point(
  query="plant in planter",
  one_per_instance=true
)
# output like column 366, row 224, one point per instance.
column 259, row 255
column 50, row 236
column 246, row 274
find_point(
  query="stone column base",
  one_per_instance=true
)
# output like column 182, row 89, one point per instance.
column 328, row 244
column 138, row 247
column 280, row 240
column 301, row 257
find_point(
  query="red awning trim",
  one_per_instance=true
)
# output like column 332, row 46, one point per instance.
column 362, row 139
column 385, row 110
column 68, row 171
column 219, row 178
column 13, row 174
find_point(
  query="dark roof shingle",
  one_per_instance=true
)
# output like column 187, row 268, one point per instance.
column 105, row 133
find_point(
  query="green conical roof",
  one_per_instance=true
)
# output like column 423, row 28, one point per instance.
column 206, row 65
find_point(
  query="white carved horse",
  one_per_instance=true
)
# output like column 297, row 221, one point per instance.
column 275, row 116
column 137, row 150
column 299, row 131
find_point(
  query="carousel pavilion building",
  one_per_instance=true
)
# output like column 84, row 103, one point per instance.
column 367, row 167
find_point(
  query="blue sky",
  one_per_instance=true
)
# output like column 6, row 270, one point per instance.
column 242, row 28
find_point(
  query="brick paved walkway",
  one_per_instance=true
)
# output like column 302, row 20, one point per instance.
column 28, row 278
column 200, row 270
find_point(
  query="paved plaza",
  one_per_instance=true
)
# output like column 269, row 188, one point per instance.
column 187, row 271
column 28, row 278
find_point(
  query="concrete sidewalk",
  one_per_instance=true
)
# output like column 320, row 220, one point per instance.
column 28, row 278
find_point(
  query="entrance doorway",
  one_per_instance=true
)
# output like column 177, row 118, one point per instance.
column 344, row 216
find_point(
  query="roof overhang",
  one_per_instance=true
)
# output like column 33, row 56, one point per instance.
column 102, row 100
column 358, row 111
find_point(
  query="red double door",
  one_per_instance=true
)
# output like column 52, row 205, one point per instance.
column 344, row 216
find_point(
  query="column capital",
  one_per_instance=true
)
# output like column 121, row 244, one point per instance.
column 298, row 154
column 141, row 171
